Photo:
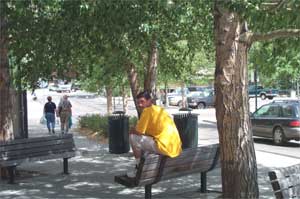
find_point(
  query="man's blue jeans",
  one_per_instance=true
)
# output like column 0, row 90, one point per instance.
column 50, row 117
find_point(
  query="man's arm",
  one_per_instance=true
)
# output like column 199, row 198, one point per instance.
column 134, row 131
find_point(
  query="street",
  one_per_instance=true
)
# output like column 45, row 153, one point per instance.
column 87, row 103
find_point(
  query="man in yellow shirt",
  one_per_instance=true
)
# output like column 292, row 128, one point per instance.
column 155, row 131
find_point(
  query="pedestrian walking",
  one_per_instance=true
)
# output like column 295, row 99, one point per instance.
column 49, row 112
column 65, row 113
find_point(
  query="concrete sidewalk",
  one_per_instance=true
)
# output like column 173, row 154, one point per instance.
column 93, row 170
column 92, row 176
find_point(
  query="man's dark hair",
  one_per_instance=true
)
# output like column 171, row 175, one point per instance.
column 144, row 94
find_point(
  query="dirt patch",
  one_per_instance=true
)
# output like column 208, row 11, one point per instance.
column 92, row 135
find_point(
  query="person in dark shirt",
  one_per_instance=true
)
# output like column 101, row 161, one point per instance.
column 49, row 111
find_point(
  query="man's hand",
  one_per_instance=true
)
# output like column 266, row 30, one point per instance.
column 133, row 131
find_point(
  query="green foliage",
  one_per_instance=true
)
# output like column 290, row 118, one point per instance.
column 98, row 39
column 278, row 62
column 265, row 15
column 43, row 36
column 94, row 122
column 99, row 123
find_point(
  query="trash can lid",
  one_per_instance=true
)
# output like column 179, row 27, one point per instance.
column 185, row 109
column 119, row 112
column 188, row 112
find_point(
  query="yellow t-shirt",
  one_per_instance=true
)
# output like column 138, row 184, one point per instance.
column 157, row 123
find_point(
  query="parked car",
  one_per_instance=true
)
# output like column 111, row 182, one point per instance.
column 279, row 120
column 52, row 87
column 199, row 88
column 262, row 92
column 75, row 87
column 201, row 99
column 42, row 84
column 175, row 97
column 175, row 100
column 60, row 88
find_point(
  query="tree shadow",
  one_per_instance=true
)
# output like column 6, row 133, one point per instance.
column 92, row 174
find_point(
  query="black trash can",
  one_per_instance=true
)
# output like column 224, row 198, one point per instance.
column 118, row 136
column 187, row 126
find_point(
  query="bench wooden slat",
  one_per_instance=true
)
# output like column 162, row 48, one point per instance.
column 286, row 182
column 36, row 139
column 203, row 150
column 29, row 151
column 193, row 160
column 15, row 152
column 185, row 159
column 286, row 187
column 190, row 164
column 168, row 170
column 37, row 154
column 154, row 168
column 26, row 145
column 65, row 154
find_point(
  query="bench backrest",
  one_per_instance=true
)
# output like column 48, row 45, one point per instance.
column 154, row 168
column 34, row 149
column 286, row 182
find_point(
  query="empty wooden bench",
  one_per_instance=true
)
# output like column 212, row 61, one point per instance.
column 15, row 152
column 154, row 168
column 286, row 182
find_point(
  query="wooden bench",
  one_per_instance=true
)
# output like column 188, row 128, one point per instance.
column 286, row 182
column 15, row 152
column 154, row 168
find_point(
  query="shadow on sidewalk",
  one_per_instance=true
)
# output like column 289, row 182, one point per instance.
column 92, row 174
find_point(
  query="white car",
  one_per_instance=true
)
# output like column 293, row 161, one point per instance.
column 61, row 88
column 175, row 98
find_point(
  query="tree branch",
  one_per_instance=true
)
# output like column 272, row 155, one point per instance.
column 282, row 33
column 275, row 5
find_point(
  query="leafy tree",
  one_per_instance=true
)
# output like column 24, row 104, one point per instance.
column 138, row 34
column 233, row 39
column 278, row 62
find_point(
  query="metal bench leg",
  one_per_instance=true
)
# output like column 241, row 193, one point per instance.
column 11, row 173
column 66, row 170
column 148, row 193
column 203, row 182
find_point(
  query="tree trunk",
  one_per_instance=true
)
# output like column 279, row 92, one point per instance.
column 149, row 78
column 183, row 96
column 6, row 131
column 124, row 99
column 109, row 92
column 6, row 122
column 239, row 169
column 151, row 72
column 166, row 95
column 134, row 83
